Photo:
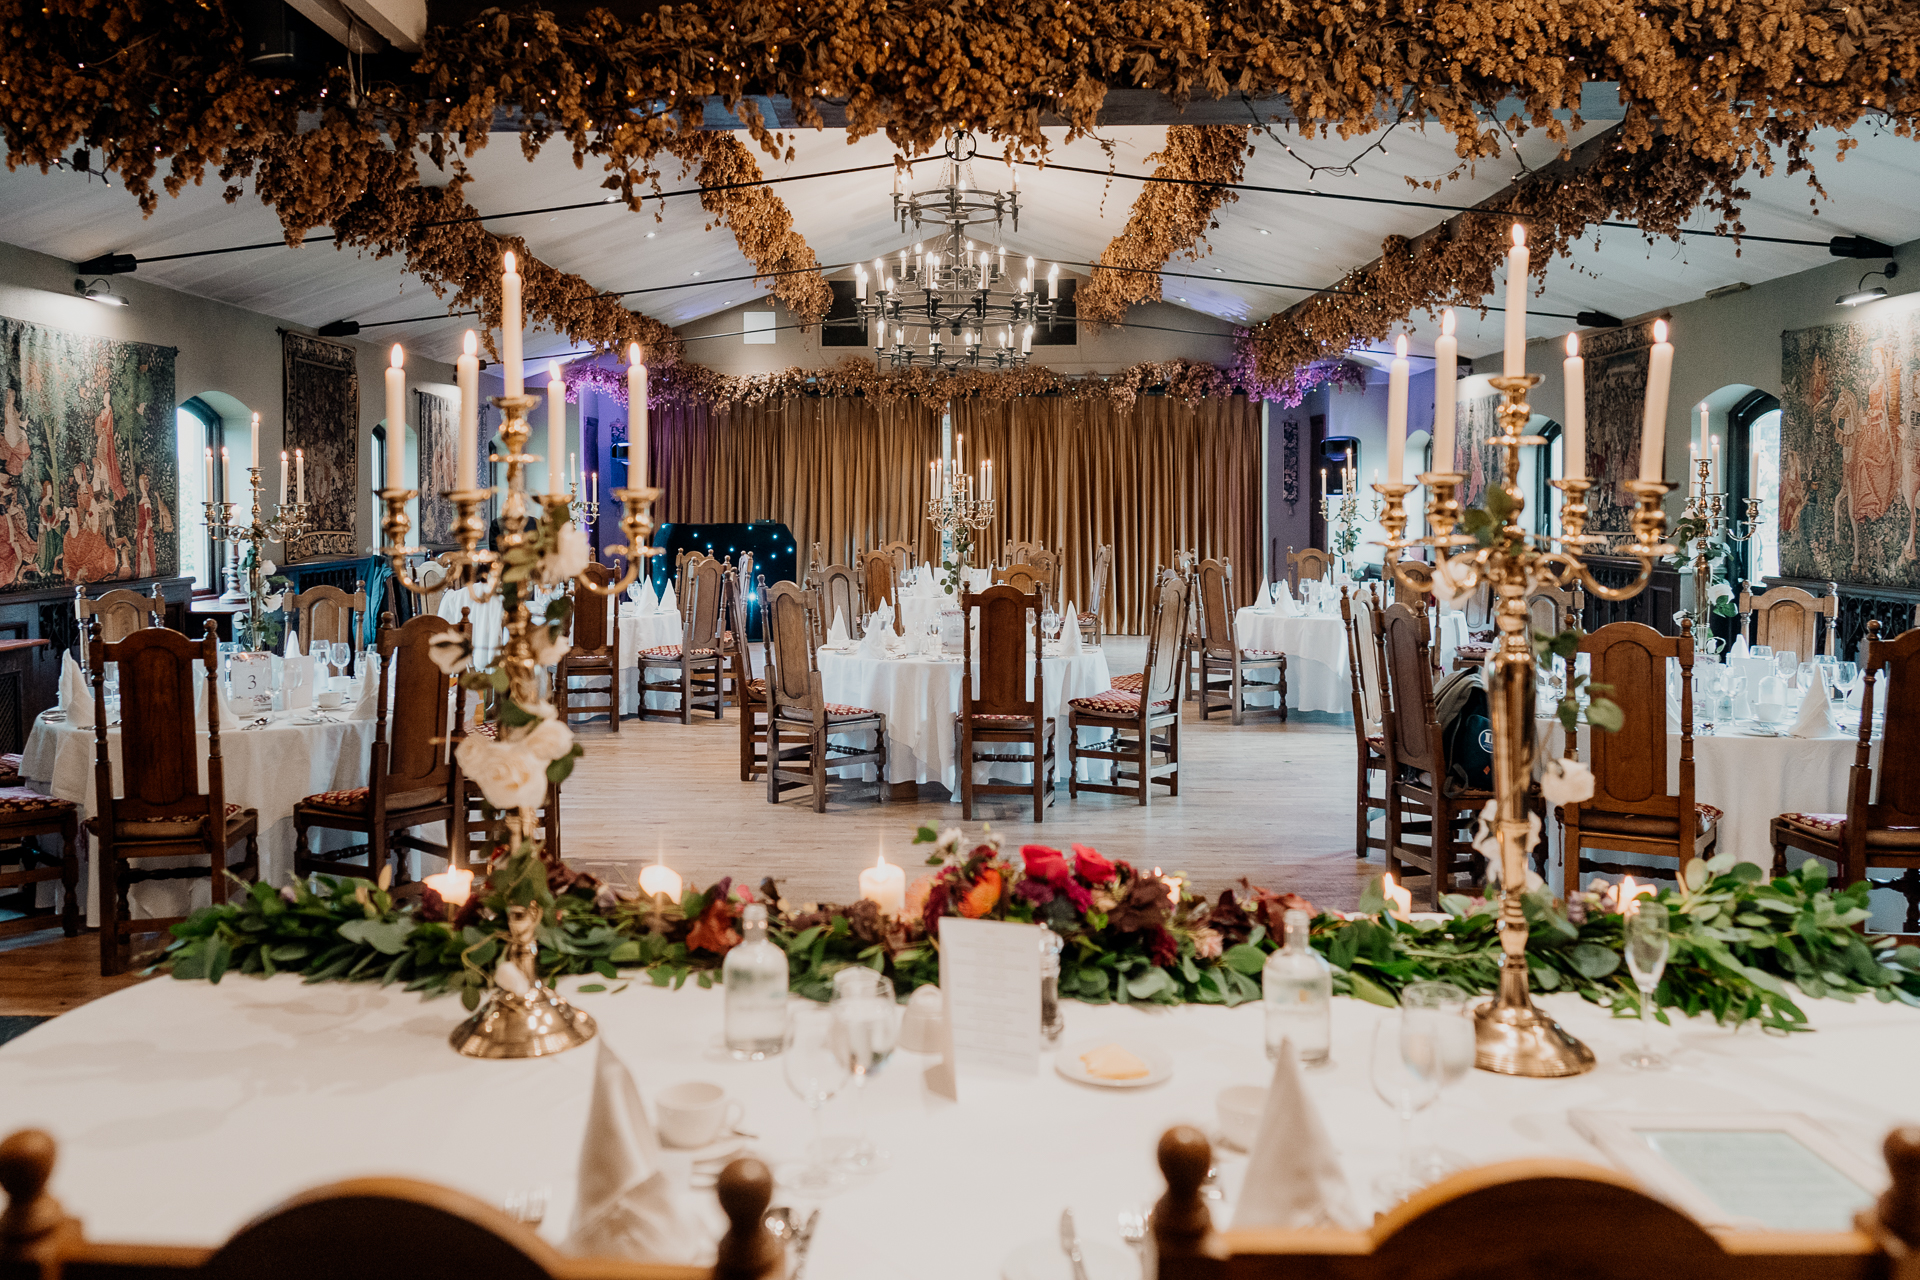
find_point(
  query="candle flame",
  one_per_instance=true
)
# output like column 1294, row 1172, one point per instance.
column 1519, row 234
column 1400, row 347
column 1446, row 322
column 633, row 353
column 511, row 267
column 1659, row 330
column 299, row 453
column 471, row 343
column 1573, row 346
column 256, row 417
column 880, row 861
column 399, row 360
column 553, row 370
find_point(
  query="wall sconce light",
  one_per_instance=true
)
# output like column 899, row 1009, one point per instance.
column 99, row 291
column 1864, row 294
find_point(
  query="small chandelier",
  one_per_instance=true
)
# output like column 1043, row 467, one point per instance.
column 949, row 303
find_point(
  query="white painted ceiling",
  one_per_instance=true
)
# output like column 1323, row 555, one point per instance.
column 1269, row 239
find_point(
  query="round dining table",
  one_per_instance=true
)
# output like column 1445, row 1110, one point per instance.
column 1316, row 647
column 182, row 1110
column 920, row 696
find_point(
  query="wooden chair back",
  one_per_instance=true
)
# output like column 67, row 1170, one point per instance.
column 1027, row 579
column 367, row 1228
column 1006, row 632
column 1630, row 765
column 1440, row 1232
column 879, row 583
column 411, row 761
column 594, row 624
column 438, row 576
column 121, row 612
column 688, row 562
column 1047, row 562
column 700, row 603
column 1897, row 661
column 1102, row 570
column 1303, row 566
column 1020, row 552
column 789, row 640
column 1166, row 640
column 839, row 591
column 1215, row 614
column 1412, row 725
column 1788, row 618
column 159, row 751
column 329, row 614
column 1553, row 609
column 901, row 553
column 1363, row 659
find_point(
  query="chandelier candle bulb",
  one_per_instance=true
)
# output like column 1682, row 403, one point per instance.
column 1397, row 412
column 1574, row 374
column 1026, row 342
column 556, row 428
column 636, row 417
column 1053, row 283
column 396, row 420
column 1446, row 360
column 986, row 479
column 1653, row 428
column 510, row 357
column 466, row 376
column 885, row 884
column 860, row 286
column 1514, row 363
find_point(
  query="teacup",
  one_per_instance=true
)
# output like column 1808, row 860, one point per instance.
column 329, row 698
column 1239, row 1107
column 695, row 1113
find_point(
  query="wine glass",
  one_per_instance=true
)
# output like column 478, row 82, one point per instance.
column 1050, row 627
column 340, row 653
column 866, row 1026
column 1405, row 1075
column 1846, row 678
column 1759, row 651
column 1437, row 1040
column 1647, row 945
column 815, row 1070
column 1786, row 661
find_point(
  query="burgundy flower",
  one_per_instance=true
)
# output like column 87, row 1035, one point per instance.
column 432, row 906
column 1078, row 894
column 1046, row 864
column 1038, row 892
column 1091, row 867
column 936, row 907
column 1146, row 906
column 1161, row 948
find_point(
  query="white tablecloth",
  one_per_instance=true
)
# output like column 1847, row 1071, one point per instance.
column 637, row 633
column 921, row 699
column 270, row 769
column 185, row 1078
column 1316, row 649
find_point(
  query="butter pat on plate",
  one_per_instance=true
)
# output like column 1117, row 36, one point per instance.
column 1112, row 1064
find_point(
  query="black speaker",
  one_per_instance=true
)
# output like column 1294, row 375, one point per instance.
column 272, row 36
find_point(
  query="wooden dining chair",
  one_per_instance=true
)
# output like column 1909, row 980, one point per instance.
column 1140, row 724
column 1089, row 619
column 997, row 710
column 1310, row 565
column 839, row 590
column 26, row 817
column 1632, row 811
column 437, row 576
column 1417, row 778
column 380, row 1228
column 736, row 587
column 1881, row 826
column 157, row 810
column 1226, row 667
column 799, row 717
column 593, row 652
column 880, row 584
column 692, row 669
column 329, row 615
column 901, row 553
column 483, row 831
column 1016, row 552
column 1551, row 610
column 120, row 613
column 1370, row 742
column 1788, row 619
column 753, row 692
column 1027, row 580
column 1440, row 1232
column 413, row 779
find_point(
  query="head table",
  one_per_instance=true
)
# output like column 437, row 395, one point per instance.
column 183, row 1109
column 1316, row 647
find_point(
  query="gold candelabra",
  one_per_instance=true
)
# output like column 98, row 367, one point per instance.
column 957, row 513
column 1514, row 1036
column 290, row 521
column 1345, row 514
column 1706, row 515
column 523, row 1018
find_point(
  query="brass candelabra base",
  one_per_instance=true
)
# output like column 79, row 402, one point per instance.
column 529, row 1025
column 1515, row 1037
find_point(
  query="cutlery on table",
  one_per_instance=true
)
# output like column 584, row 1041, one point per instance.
column 802, row 1242
column 1070, row 1245
column 1133, row 1228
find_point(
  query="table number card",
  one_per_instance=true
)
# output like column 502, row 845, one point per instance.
column 251, row 676
column 990, row 975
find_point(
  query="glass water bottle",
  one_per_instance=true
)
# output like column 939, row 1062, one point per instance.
column 1297, row 987
column 755, row 978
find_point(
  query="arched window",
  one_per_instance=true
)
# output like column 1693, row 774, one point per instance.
column 1753, row 431
column 197, row 428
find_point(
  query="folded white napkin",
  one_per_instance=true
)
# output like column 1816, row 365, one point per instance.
column 228, row 718
column 874, row 643
column 837, row 637
column 1070, row 633
column 1816, row 715
column 1737, row 651
column 646, row 603
column 1294, row 1179
column 76, row 699
column 625, row 1207
column 1283, row 601
column 369, row 689
column 668, row 602
column 289, row 643
column 883, row 617
column 1264, row 600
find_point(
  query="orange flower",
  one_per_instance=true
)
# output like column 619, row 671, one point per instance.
column 714, row 930
column 984, row 896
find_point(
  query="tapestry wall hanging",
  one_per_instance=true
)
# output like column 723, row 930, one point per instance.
column 89, row 477
column 1849, row 476
column 1290, row 463
column 1616, row 412
column 436, row 420
column 321, row 410
column 1474, row 423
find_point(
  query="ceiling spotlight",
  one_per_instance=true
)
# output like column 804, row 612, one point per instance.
column 114, row 264
column 1858, row 247
column 1862, row 294
column 99, row 291
column 340, row 329
column 1265, row 232
column 1218, row 271
column 650, row 235
column 1598, row 320
column 696, row 275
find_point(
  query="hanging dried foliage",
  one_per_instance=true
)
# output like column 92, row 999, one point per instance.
column 1167, row 218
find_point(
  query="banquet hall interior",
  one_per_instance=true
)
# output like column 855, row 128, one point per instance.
column 1281, row 634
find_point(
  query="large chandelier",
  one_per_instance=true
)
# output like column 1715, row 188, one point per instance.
column 949, row 302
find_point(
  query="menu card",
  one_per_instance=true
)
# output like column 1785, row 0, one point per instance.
column 990, row 976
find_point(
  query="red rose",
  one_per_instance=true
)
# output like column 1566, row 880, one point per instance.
column 1093, row 868
column 1162, row 950
column 1046, row 864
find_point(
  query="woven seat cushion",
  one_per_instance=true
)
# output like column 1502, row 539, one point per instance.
column 1261, row 655
column 1134, row 682
column 350, row 800
column 170, row 828
column 757, row 690
column 1114, row 702
column 835, row 711
column 1377, row 741
column 671, row 653
column 485, row 729
column 10, row 764
column 18, row 802
column 1646, row 825
column 1833, row 827
column 981, row 717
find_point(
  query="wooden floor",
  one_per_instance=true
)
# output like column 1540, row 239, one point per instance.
column 1269, row 802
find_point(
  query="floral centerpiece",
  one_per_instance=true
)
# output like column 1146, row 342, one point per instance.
column 263, row 624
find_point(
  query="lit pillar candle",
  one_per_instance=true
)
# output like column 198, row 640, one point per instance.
column 467, row 443
column 885, row 884
column 933, row 475
column 396, row 418
column 283, row 477
column 300, row 475
column 510, row 323
column 1713, row 468
column 986, row 479
column 1446, row 358
column 1323, row 483
column 860, row 285
column 1515, row 354
column 1399, row 898
column 210, row 492
column 1053, row 283
column 1574, row 375
column 1026, row 342
column 556, row 429
column 636, row 418
column 1703, row 429
column 454, row 886
column 253, row 457
column 1397, row 413
column 1653, row 426
column 660, row 879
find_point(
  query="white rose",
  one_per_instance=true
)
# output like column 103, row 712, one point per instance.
column 542, row 709
column 569, row 555
column 1719, row 591
column 549, row 646
column 451, row 652
column 1453, row 581
column 1486, row 842
column 266, row 568
column 271, row 603
column 508, row 775
column 1566, row 781
column 549, row 740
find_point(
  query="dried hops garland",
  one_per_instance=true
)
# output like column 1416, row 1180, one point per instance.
column 1167, row 218
column 761, row 223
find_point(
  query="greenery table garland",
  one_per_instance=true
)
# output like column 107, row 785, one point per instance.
column 1743, row 947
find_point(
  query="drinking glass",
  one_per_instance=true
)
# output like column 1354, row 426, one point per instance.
column 1647, row 945
column 866, row 1026
column 1846, row 678
column 1436, row 1040
column 341, row 653
column 815, row 1070
column 1760, row 651
column 1405, row 1074
column 1786, row 661
column 1050, row 626
column 110, row 679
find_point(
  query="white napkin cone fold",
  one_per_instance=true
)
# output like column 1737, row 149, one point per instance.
column 837, row 637
column 1294, row 1178
column 1816, row 715
column 669, row 603
column 369, row 689
column 641, row 593
column 228, row 718
column 1264, row 600
column 625, row 1207
column 1070, row 633
column 76, row 699
column 1283, row 600
column 874, row 643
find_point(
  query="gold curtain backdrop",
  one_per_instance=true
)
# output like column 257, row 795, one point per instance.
column 1155, row 478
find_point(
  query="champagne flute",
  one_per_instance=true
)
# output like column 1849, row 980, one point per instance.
column 815, row 1071
column 1405, row 1072
column 340, row 653
column 1437, row 1039
column 866, row 1027
column 1648, row 943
